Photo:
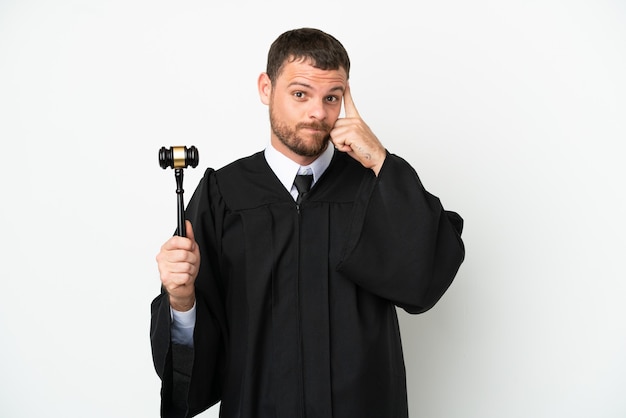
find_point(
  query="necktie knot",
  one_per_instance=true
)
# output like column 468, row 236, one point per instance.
column 303, row 184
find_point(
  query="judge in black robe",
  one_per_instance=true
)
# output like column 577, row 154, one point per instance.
column 296, row 304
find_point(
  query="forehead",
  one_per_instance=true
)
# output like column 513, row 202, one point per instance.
column 302, row 71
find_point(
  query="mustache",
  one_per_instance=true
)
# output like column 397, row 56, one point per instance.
column 323, row 126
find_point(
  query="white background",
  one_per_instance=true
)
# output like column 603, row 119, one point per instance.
column 512, row 112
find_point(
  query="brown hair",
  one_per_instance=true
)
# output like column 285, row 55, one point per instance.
column 324, row 51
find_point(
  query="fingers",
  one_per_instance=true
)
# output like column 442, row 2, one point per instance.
column 352, row 135
column 348, row 104
column 177, row 267
column 181, row 243
column 178, row 262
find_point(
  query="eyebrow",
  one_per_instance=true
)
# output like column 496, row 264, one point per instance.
column 308, row 86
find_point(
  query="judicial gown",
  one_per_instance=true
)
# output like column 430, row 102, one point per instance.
column 296, row 304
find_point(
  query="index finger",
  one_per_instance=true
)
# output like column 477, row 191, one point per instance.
column 178, row 243
column 348, row 104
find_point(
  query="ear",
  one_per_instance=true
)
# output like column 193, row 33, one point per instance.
column 265, row 88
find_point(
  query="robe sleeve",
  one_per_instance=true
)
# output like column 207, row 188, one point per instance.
column 402, row 245
column 192, row 377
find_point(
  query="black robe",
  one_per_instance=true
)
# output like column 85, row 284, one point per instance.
column 295, row 305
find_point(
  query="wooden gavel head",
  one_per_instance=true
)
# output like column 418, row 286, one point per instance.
column 178, row 157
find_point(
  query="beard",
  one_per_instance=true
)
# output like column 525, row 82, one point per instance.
column 295, row 142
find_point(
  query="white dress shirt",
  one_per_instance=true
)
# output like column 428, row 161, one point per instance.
column 183, row 323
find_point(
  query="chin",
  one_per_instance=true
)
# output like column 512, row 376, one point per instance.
column 312, row 151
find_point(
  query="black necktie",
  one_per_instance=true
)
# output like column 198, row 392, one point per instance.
column 303, row 184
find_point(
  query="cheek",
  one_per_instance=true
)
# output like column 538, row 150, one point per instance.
column 280, row 105
column 333, row 115
column 290, row 111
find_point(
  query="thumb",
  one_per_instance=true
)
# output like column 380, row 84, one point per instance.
column 190, row 233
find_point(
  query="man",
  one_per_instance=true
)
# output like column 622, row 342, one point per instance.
column 285, row 299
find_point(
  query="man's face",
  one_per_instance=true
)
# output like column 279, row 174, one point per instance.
column 304, row 104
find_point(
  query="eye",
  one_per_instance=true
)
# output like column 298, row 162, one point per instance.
column 299, row 94
column 332, row 99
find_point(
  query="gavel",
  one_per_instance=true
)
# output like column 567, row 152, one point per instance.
column 179, row 158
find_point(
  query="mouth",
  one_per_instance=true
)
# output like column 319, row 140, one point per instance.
column 314, row 129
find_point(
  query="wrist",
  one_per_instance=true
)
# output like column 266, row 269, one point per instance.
column 379, row 165
column 182, row 304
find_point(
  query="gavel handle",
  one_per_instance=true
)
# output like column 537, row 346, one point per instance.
column 182, row 230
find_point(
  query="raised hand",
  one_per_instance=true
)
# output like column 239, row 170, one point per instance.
column 352, row 135
column 179, row 261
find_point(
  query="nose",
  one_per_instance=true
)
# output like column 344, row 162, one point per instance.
column 317, row 110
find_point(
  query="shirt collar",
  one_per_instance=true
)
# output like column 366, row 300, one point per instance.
column 287, row 169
